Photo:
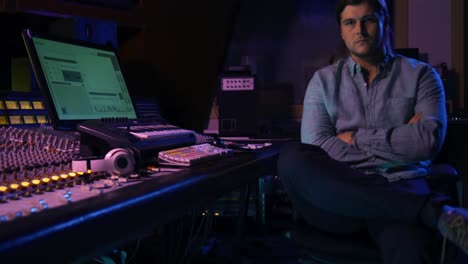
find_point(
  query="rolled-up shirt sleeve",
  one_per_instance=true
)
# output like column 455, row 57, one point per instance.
column 317, row 127
column 411, row 142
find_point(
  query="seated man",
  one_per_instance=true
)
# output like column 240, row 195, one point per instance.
column 371, row 124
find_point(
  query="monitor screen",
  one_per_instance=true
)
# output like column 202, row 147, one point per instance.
column 80, row 81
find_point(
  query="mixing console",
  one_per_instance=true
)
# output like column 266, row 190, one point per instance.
column 33, row 161
column 45, row 204
column 191, row 155
column 36, row 170
column 36, row 174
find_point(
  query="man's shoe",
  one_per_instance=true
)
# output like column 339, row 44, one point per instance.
column 453, row 224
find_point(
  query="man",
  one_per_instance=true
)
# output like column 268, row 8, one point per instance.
column 371, row 124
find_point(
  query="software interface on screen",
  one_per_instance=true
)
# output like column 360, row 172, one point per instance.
column 84, row 83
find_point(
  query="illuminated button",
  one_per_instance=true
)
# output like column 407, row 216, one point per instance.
column 14, row 187
column 25, row 105
column 12, row 105
column 4, row 120
column 38, row 105
column 56, row 180
column 45, row 182
column 42, row 119
column 25, row 186
column 86, row 178
column 72, row 178
column 64, row 177
column 29, row 119
column 3, row 189
column 16, row 120
column 80, row 174
column 36, row 184
column 79, row 179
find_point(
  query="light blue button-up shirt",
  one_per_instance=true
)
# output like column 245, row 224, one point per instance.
column 338, row 100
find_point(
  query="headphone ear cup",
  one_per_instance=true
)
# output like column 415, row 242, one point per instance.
column 120, row 162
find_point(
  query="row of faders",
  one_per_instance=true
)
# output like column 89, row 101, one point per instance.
column 29, row 158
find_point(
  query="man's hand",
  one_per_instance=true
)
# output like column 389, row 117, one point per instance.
column 415, row 118
column 347, row 137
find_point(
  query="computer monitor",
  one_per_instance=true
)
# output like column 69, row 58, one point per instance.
column 79, row 80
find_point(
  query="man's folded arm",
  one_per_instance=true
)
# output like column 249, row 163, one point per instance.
column 317, row 128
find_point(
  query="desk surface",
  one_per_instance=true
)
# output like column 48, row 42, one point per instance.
column 94, row 226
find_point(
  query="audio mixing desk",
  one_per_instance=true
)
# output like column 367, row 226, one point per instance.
column 52, row 214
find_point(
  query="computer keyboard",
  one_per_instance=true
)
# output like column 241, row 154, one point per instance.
column 191, row 155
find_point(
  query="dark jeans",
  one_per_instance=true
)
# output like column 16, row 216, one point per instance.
column 331, row 196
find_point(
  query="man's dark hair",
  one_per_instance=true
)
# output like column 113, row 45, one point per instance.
column 379, row 6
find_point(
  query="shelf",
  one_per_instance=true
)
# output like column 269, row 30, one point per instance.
column 60, row 8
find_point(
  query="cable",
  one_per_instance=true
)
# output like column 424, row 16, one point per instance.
column 442, row 254
column 97, row 260
column 134, row 252
column 192, row 239
column 207, row 227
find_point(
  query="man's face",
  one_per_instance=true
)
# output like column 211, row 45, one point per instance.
column 362, row 30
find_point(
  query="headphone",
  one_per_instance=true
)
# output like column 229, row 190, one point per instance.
column 118, row 161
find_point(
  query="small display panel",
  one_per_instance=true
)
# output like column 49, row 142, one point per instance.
column 11, row 105
column 16, row 120
column 38, row 105
column 29, row 119
column 25, row 105
column 41, row 119
column 3, row 120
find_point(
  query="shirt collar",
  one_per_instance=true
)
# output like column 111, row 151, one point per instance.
column 354, row 67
